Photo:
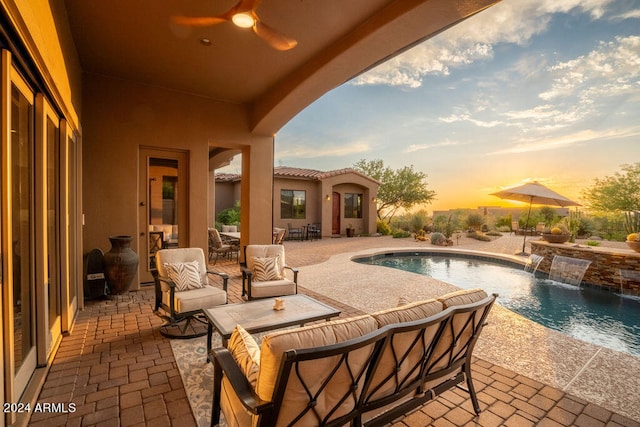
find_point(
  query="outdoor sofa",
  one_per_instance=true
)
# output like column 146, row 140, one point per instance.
column 364, row 370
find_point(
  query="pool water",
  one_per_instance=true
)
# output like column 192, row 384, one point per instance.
column 592, row 315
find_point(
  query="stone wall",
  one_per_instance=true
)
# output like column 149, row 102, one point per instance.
column 604, row 270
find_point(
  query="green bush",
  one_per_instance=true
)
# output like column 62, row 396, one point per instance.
column 475, row 221
column 383, row 228
column 478, row 236
column 494, row 233
column 229, row 216
column 592, row 243
column 401, row 234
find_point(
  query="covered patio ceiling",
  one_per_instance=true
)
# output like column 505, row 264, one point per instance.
column 337, row 40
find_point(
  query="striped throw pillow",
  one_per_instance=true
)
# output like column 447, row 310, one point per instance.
column 186, row 275
column 246, row 352
column 266, row 268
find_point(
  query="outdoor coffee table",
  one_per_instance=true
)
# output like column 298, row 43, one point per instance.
column 259, row 315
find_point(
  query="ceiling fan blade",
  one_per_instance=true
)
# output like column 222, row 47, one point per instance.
column 276, row 39
column 246, row 5
column 198, row 21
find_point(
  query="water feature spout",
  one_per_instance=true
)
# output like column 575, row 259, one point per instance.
column 628, row 277
column 532, row 263
column 568, row 270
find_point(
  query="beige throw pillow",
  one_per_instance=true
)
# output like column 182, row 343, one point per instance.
column 266, row 268
column 186, row 275
column 246, row 353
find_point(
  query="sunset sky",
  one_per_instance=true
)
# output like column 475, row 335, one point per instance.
column 541, row 90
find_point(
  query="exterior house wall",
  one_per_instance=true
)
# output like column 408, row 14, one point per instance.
column 350, row 183
column 313, row 213
column 117, row 126
column 319, row 193
column 227, row 194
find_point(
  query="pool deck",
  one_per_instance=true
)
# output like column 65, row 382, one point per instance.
column 118, row 370
column 596, row 374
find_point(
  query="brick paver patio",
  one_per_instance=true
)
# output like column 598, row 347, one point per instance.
column 118, row 370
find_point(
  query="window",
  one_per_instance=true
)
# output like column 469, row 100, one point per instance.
column 352, row 205
column 293, row 204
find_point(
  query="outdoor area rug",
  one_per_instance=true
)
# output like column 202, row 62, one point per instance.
column 197, row 375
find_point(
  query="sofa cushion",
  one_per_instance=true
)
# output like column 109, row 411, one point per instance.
column 408, row 312
column 246, row 353
column 458, row 336
column 462, row 297
column 186, row 275
column 266, row 269
column 314, row 372
column 402, row 357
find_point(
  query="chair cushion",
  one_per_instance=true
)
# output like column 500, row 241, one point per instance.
column 408, row 312
column 462, row 297
column 273, row 288
column 266, row 268
column 259, row 251
column 186, row 275
column 196, row 299
column 170, row 256
column 246, row 353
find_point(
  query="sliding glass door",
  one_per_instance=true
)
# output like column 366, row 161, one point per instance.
column 19, row 208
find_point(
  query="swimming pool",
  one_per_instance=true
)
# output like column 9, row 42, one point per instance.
column 585, row 313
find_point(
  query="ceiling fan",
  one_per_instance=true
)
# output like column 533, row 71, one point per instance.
column 243, row 15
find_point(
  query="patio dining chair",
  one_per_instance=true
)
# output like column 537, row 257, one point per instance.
column 183, row 289
column 217, row 247
column 293, row 232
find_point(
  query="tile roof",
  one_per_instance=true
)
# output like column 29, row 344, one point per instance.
column 286, row 171
column 300, row 173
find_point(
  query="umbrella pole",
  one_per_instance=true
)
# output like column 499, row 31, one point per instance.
column 524, row 241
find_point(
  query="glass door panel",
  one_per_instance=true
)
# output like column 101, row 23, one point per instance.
column 22, row 311
column 53, row 228
column 163, row 218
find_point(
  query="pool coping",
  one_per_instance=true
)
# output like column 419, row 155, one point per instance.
column 585, row 370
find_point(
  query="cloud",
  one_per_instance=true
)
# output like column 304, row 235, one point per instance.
column 613, row 68
column 472, row 40
column 467, row 118
column 563, row 141
column 316, row 150
column 420, row 147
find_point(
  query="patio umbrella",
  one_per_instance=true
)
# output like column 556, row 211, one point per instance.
column 534, row 193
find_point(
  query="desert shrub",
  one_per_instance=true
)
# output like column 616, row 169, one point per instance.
column 494, row 233
column 504, row 229
column 475, row 221
column 383, row 228
column 504, row 222
column 446, row 224
column 592, row 243
column 482, row 237
column 400, row 234
column 438, row 238
column 478, row 236
column 418, row 220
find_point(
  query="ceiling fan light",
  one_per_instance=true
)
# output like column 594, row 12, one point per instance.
column 243, row 20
